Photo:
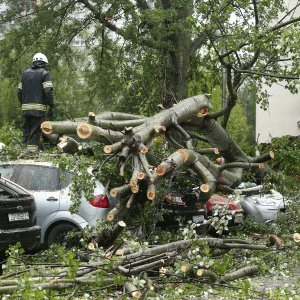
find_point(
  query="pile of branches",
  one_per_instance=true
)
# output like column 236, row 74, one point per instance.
column 114, row 270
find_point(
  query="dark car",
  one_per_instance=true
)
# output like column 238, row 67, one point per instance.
column 17, row 217
column 186, row 206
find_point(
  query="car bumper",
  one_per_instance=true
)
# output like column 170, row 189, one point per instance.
column 29, row 238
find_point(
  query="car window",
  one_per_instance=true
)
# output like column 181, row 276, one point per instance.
column 37, row 178
column 6, row 171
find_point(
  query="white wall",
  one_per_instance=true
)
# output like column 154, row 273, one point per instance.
column 283, row 114
column 281, row 117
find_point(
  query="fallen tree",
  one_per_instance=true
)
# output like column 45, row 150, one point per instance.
column 129, row 138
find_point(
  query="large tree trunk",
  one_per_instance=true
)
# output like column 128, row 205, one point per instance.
column 178, row 57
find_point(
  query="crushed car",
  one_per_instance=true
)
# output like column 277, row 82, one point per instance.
column 262, row 206
column 189, row 209
column 248, row 199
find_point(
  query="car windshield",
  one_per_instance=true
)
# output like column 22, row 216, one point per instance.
column 32, row 177
column 36, row 178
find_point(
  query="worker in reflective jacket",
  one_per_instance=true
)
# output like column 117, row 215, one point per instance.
column 35, row 94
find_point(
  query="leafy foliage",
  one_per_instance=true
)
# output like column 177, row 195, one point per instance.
column 286, row 150
column 148, row 52
column 287, row 159
column 11, row 137
column 10, row 108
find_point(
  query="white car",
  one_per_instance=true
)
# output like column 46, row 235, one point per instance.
column 264, row 207
column 50, row 188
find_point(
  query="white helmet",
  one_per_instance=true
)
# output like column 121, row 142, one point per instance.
column 40, row 57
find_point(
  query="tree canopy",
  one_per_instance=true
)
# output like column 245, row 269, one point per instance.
column 149, row 52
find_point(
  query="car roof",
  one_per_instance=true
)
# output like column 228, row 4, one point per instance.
column 36, row 163
column 28, row 162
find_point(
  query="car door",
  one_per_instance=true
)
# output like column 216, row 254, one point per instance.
column 43, row 182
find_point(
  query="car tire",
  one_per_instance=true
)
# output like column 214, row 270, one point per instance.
column 58, row 233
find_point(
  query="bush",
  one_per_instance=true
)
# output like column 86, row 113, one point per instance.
column 287, row 159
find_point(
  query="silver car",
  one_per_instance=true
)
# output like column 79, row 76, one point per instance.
column 264, row 207
column 50, row 188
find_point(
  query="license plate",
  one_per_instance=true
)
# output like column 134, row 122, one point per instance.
column 177, row 200
column 238, row 218
column 18, row 216
column 198, row 219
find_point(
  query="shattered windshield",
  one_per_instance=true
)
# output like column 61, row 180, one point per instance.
column 37, row 178
column 6, row 171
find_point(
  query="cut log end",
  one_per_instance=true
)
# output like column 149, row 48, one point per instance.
column 144, row 150
column 110, row 217
column 46, row 127
column 184, row 268
column 203, row 112
column 135, row 189
column 91, row 246
column 122, row 224
column 84, row 131
column 272, row 154
column 107, row 149
column 151, row 192
column 261, row 165
column 113, row 192
column 219, row 160
column 184, row 153
column 136, row 294
column 141, row 175
column 112, row 214
column 91, row 117
column 160, row 170
column 216, row 150
column 296, row 237
column 151, row 195
column 204, row 188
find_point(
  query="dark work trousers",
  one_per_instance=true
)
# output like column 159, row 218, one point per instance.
column 32, row 130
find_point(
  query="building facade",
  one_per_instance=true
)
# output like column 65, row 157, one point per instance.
column 283, row 114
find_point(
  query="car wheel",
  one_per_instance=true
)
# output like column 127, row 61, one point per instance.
column 57, row 234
